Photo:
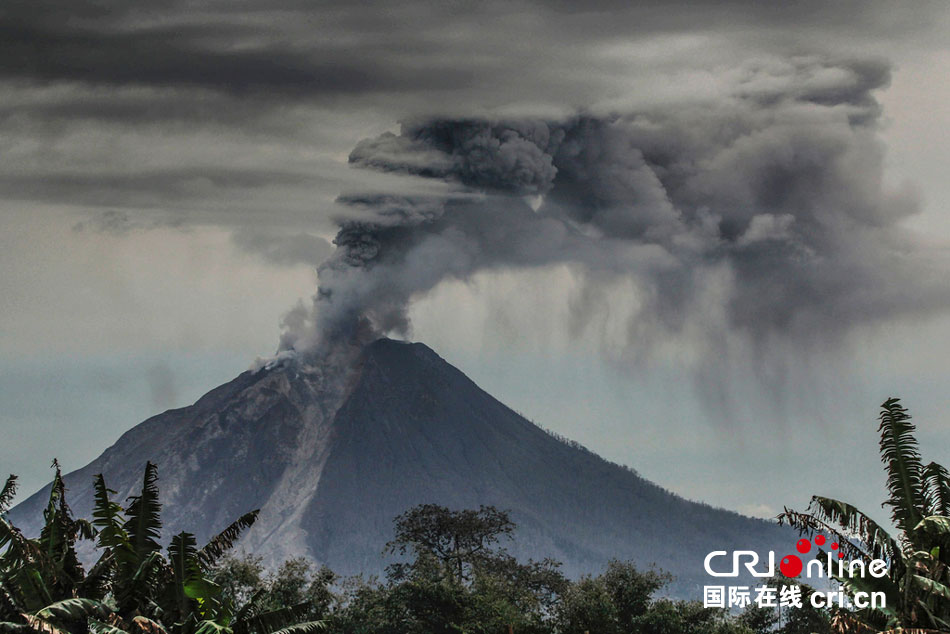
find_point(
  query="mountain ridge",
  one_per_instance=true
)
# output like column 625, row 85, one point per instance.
column 331, row 458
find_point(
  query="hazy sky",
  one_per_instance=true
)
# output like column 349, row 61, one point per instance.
column 169, row 174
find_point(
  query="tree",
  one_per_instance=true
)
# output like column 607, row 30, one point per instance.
column 631, row 590
column 241, row 578
column 687, row 617
column 461, row 541
column 458, row 576
column 917, row 586
column 37, row 573
column 621, row 601
column 587, row 606
column 133, row 587
column 251, row 589
column 760, row 620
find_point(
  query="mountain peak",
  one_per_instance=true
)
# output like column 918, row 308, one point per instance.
column 332, row 453
column 398, row 351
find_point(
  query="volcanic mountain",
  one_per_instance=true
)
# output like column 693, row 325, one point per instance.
column 331, row 458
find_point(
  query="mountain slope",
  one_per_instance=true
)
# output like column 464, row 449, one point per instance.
column 331, row 458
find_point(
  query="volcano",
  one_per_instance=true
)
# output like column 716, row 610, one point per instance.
column 331, row 457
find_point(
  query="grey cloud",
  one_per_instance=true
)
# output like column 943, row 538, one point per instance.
column 765, row 180
column 187, row 56
column 120, row 223
column 336, row 50
column 110, row 221
column 402, row 154
column 767, row 227
column 285, row 249
column 390, row 209
column 51, row 107
column 117, row 202
column 774, row 208
column 143, row 188
column 510, row 157
column 248, row 78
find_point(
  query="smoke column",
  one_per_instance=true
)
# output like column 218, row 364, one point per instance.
column 763, row 216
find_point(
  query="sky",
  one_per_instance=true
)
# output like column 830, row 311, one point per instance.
column 704, row 239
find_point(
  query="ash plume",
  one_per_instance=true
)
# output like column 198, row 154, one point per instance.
column 763, row 216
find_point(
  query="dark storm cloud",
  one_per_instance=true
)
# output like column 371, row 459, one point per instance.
column 513, row 159
column 76, row 76
column 172, row 56
column 766, row 168
column 762, row 217
column 176, row 44
column 315, row 50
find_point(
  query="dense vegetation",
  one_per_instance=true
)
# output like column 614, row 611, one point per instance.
column 450, row 573
column 454, row 575
column 917, row 586
column 133, row 586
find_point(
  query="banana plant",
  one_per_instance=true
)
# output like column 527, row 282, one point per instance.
column 35, row 573
column 917, row 585
column 134, row 587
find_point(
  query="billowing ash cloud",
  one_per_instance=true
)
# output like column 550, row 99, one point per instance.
column 763, row 215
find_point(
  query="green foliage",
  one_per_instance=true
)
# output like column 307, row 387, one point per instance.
column 240, row 578
column 759, row 620
column 587, row 606
column 459, row 577
column 619, row 600
column 7, row 493
column 133, row 588
column 224, row 541
column 39, row 572
column 917, row 586
column 455, row 577
column 462, row 541
column 144, row 523
column 255, row 594
column 686, row 617
column 107, row 520
column 496, row 593
column 900, row 454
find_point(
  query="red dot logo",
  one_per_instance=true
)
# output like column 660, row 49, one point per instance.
column 803, row 546
column 840, row 555
column 820, row 540
column 834, row 546
column 791, row 566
